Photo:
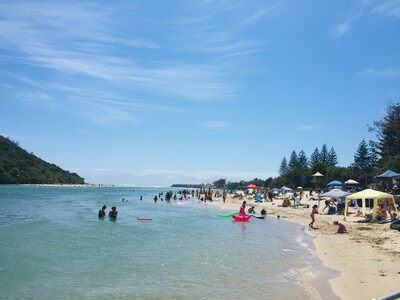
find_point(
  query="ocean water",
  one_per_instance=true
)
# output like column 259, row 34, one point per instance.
column 53, row 246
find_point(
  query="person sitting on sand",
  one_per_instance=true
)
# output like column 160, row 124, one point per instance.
column 382, row 214
column 312, row 215
column 102, row 212
column 286, row 203
column 113, row 213
column 251, row 210
column 341, row 227
column 241, row 210
column 263, row 212
column 359, row 213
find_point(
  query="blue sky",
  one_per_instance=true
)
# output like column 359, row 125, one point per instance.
column 162, row 92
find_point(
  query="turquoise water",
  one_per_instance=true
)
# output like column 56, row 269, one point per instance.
column 53, row 246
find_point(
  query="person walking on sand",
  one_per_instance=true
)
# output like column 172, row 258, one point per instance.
column 312, row 215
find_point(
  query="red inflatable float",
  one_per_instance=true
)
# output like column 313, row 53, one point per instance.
column 242, row 218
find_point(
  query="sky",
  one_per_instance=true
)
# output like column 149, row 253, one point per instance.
column 163, row 92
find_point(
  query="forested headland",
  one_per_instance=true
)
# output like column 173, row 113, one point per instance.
column 17, row 166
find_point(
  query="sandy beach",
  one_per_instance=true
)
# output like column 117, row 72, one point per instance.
column 367, row 257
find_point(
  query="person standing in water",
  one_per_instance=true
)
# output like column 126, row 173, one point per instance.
column 102, row 212
column 113, row 213
column 241, row 211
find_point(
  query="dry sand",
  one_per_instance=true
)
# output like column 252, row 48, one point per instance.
column 367, row 257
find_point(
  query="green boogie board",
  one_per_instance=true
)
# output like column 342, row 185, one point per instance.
column 228, row 215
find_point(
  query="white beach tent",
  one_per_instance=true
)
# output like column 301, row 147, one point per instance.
column 369, row 194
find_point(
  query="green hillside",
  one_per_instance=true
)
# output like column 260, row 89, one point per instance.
column 17, row 166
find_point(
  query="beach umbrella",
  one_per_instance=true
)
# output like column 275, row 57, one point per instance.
column 317, row 174
column 335, row 183
column 251, row 186
column 350, row 182
column 249, row 191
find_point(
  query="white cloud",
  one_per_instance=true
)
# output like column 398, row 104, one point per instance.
column 387, row 72
column 388, row 8
column 217, row 125
column 341, row 29
column 75, row 46
column 309, row 127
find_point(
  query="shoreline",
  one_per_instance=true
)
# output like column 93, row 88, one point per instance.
column 367, row 257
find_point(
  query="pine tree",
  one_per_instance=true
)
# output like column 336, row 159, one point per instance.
column 332, row 158
column 315, row 157
column 324, row 156
column 293, row 161
column 388, row 134
column 302, row 160
column 284, row 166
column 364, row 156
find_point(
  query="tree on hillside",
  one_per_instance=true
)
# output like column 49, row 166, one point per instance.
column 293, row 161
column 324, row 155
column 315, row 157
column 302, row 160
column 388, row 133
column 332, row 158
column 284, row 166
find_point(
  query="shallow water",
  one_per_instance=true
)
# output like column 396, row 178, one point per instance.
column 52, row 245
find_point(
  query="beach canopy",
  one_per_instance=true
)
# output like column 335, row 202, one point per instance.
column 251, row 186
column 335, row 183
column 387, row 174
column 377, row 196
column 335, row 193
column 351, row 181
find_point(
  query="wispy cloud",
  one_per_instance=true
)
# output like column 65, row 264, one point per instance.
column 387, row 72
column 341, row 29
column 215, row 125
column 388, row 8
column 309, row 127
column 83, row 47
column 258, row 14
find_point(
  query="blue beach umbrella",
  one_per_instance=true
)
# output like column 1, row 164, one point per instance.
column 335, row 183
